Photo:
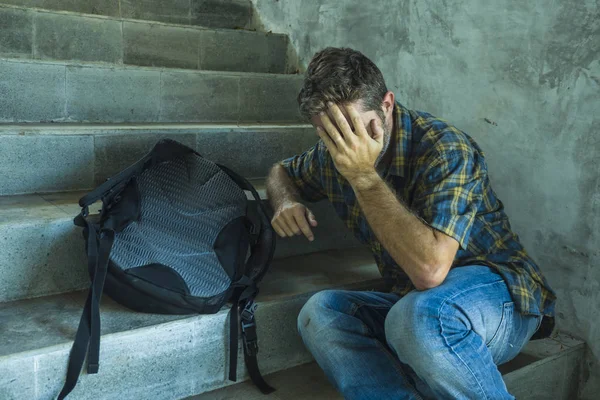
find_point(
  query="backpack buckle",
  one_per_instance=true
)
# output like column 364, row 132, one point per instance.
column 252, row 348
column 249, row 328
column 249, row 311
column 250, row 338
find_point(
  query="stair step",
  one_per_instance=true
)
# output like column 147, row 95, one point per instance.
column 44, row 91
column 44, row 35
column 81, row 157
column 304, row 382
column 43, row 252
column 208, row 13
column 546, row 369
column 165, row 357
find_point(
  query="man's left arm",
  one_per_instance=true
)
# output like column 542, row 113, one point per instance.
column 424, row 253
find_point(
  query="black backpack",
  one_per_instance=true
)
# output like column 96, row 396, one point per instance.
column 176, row 235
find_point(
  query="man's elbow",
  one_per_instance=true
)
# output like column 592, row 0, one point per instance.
column 431, row 277
column 426, row 283
column 276, row 169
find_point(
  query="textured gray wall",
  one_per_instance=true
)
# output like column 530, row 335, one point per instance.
column 523, row 78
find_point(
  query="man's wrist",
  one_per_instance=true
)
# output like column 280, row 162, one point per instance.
column 365, row 182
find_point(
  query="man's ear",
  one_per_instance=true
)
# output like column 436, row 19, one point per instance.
column 389, row 101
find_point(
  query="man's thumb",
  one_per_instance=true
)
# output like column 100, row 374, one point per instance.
column 311, row 218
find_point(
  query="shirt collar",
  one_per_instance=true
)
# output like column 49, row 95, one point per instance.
column 401, row 139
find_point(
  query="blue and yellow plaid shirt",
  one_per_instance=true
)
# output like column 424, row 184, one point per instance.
column 440, row 173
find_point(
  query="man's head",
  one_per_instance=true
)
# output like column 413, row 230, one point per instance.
column 344, row 76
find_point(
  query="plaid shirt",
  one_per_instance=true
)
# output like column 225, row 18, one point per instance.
column 440, row 173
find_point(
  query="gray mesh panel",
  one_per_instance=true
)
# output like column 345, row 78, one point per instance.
column 185, row 203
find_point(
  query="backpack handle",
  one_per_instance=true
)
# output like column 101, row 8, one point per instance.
column 164, row 150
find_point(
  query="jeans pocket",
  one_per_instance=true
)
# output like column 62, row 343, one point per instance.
column 499, row 345
column 507, row 312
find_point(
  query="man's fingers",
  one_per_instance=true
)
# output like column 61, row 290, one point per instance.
column 283, row 230
column 292, row 224
column 311, row 218
column 277, row 228
column 357, row 122
column 304, row 227
column 294, row 220
column 331, row 130
column 285, row 227
column 341, row 121
column 327, row 140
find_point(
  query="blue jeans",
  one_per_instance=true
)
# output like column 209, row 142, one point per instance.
column 441, row 343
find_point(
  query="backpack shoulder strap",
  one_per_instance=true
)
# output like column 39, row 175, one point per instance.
column 99, row 245
column 242, row 313
column 244, row 306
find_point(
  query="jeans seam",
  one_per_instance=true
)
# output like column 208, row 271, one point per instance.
column 412, row 389
column 387, row 353
column 364, row 303
column 449, row 346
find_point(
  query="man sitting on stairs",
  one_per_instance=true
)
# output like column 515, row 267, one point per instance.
column 415, row 190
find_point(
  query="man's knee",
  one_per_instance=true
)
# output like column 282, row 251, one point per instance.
column 318, row 311
column 412, row 326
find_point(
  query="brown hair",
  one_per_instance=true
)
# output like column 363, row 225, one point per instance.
column 341, row 75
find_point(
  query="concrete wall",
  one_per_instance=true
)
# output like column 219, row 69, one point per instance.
column 523, row 78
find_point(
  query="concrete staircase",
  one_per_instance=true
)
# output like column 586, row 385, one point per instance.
column 546, row 369
column 86, row 88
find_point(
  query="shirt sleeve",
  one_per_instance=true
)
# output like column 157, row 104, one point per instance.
column 449, row 195
column 305, row 172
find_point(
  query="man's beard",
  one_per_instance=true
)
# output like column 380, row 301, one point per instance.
column 387, row 138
